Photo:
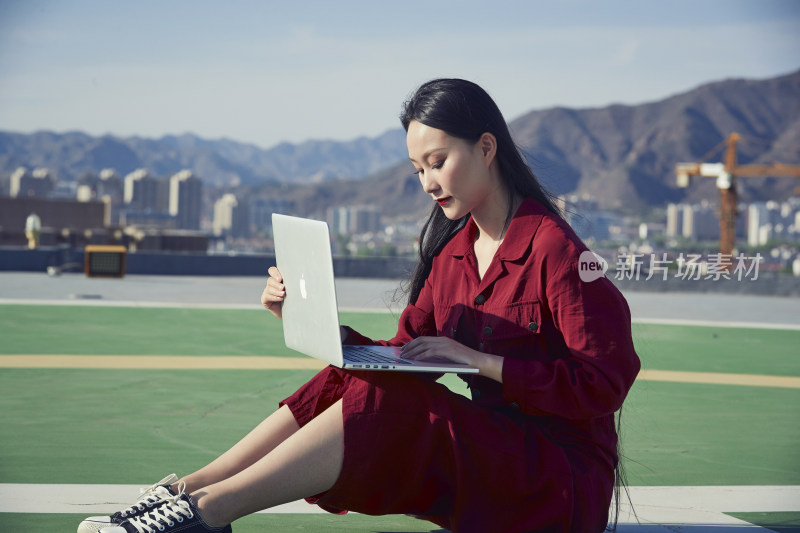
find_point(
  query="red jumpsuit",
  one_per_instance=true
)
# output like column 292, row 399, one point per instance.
column 535, row 453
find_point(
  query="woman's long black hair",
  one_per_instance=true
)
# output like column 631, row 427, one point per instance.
column 464, row 110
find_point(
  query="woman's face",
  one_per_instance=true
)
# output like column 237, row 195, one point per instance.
column 453, row 171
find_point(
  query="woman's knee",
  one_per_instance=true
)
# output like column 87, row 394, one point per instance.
column 393, row 392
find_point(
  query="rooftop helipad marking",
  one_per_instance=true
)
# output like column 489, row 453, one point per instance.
column 267, row 362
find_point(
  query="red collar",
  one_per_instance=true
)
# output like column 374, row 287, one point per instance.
column 518, row 237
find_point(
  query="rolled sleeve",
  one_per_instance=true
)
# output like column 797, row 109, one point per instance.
column 599, row 365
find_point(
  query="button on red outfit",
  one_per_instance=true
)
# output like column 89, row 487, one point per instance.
column 535, row 453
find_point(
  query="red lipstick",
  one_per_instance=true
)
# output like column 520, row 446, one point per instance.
column 443, row 201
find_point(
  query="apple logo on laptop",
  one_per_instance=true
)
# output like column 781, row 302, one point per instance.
column 303, row 292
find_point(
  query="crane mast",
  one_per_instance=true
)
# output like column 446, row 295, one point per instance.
column 726, row 174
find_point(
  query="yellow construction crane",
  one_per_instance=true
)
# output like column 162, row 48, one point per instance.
column 726, row 174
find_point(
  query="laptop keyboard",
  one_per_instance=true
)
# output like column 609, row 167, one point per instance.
column 366, row 354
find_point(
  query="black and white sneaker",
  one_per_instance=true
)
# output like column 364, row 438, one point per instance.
column 149, row 497
column 175, row 514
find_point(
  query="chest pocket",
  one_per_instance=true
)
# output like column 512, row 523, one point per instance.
column 447, row 320
column 520, row 320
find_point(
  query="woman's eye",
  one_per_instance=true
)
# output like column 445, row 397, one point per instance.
column 438, row 164
column 418, row 171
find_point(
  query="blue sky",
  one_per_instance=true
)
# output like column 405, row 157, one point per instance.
column 266, row 72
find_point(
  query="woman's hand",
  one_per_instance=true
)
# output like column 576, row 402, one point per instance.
column 274, row 292
column 425, row 348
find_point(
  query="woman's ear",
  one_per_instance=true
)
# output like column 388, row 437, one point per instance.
column 488, row 144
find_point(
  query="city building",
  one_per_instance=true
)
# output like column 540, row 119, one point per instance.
column 674, row 220
column 584, row 215
column 261, row 210
column 166, row 240
column 186, row 199
column 700, row 222
column 366, row 220
column 86, row 187
column 758, row 224
column 140, row 192
column 697, row 222
column 110, row 185
column 110, row 190
column 147, row 220
column 767, row 221
column 338, row 219
column 107, row 188
column 348, row 220
column 231, row 217
column 60, row 219
column 649, row 230
column 37, row 184
column 63, row 189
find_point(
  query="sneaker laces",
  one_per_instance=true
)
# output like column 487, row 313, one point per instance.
column 150, row 496
column 175, row 508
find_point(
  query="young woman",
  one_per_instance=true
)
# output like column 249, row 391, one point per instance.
column 498, row 287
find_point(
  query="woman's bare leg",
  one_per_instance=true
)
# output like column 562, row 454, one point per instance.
column 264, row 438
column 305, row 464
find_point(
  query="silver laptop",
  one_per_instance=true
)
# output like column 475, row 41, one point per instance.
column 310, row 313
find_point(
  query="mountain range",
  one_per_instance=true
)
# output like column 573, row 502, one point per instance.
column 622, row 156
column 626, row 155
column 219, row 162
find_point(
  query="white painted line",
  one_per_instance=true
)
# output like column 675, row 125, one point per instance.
column 674, row 509
column 91, row 500
column 125, row 303
column 721, row 498
column 80, row 302
column 162, row 362
column 715, row 323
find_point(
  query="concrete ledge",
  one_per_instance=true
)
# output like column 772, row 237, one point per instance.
column 767, row 284
column 24, row 260
column 657, row 509
column 195, row 264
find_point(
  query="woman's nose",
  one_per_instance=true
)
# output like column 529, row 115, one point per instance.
column 429, row 185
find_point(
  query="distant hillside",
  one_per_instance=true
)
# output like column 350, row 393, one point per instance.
column 219, row 162
column 395, row 191
column 625, row 155
column 622, row 156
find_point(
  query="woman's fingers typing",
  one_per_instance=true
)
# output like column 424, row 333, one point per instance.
column 427, row 348
column 439, row 348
